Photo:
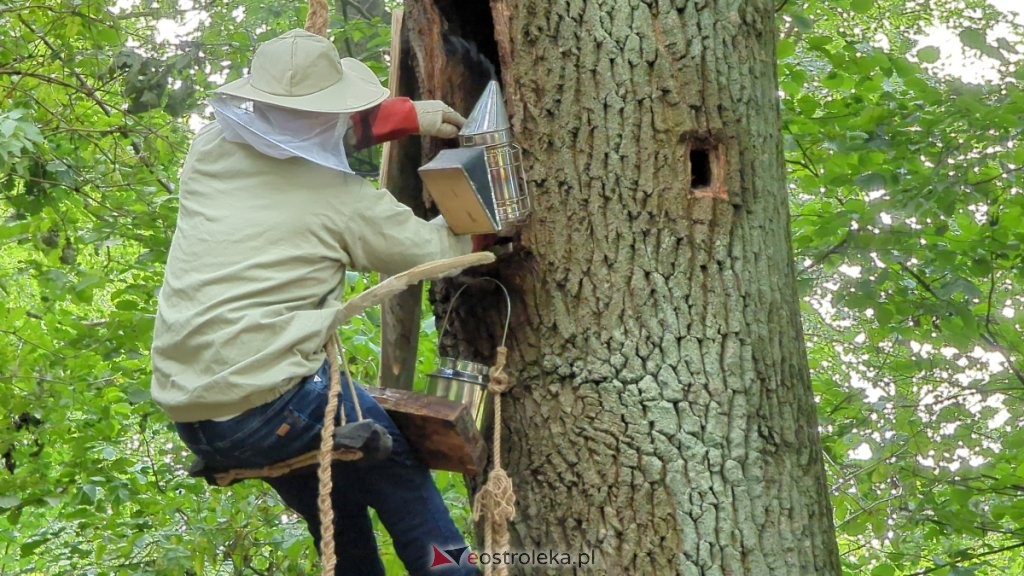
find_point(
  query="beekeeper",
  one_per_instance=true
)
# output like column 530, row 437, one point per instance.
column 271, row 216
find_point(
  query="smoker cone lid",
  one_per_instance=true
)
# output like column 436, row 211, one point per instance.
column 488, row 115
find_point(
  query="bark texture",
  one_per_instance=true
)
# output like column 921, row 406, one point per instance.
column 663, row 414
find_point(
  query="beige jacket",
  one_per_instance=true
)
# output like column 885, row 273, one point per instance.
column 254, row 276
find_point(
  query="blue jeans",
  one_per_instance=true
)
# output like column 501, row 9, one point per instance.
column 400, row 488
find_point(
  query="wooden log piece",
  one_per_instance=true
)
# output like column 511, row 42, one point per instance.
column 440, row 432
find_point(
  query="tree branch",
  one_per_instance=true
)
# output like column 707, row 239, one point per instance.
column 807, row 157
column 920, row 280
column 988, row 336
column 997, row 176
column 820, row 259
column 88, row 90
column 938, row 567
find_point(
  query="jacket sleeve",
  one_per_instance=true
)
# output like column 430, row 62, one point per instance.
column 381, row 234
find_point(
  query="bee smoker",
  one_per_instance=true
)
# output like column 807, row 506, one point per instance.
column 480, row 187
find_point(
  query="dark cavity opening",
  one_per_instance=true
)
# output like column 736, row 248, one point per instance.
column 470, row 35
column 700, row 168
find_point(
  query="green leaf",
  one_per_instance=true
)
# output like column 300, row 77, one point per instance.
column 884, row 570
column 974, row 38
column 870, row 181
column 137, row 395
column 1014, row 441
column 32, row 545
column 802, row 22
column 929, row 54
column 862, row 6
column 785, row 48
column 883, row 315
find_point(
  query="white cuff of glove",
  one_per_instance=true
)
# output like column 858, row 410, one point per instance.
column 437, row 119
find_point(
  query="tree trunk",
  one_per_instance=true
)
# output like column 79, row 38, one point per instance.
column 663, row 413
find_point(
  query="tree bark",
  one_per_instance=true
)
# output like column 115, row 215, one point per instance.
column 663, row 413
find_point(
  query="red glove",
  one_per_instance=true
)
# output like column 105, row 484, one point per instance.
column 482, row 242
column 396, row 118
column 392, row 119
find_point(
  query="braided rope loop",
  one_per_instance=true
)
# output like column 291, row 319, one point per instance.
column 316, row 18
column 496, row 501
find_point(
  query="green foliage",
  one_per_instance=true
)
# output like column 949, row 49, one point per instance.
column 908, row 220
column 908, row 229
column 95, row 119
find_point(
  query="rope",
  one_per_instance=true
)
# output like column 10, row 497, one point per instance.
column 499, row 384
column 496, row 501
column 277, row 469
column 316, row 22
column 316, row 18
column 327, row 554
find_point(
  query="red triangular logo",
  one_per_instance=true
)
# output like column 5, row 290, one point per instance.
column 440, row 558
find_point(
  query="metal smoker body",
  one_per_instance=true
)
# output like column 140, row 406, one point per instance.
column 487, row 127
column 481, row 187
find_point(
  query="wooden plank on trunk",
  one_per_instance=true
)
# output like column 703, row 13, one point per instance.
column 442, row 433
column 400, row 316
column 394, row 84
